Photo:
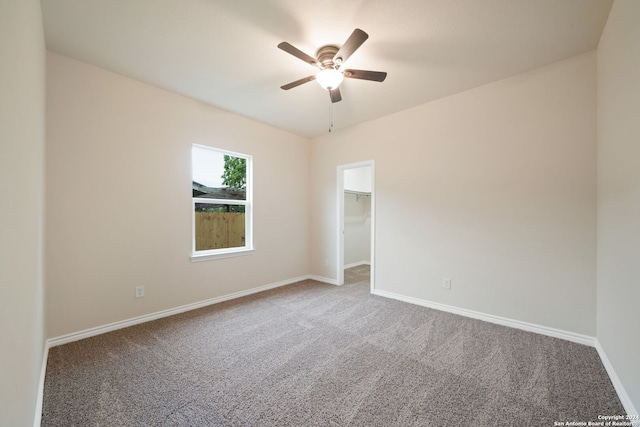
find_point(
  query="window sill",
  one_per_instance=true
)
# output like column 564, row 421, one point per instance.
column 230, row 253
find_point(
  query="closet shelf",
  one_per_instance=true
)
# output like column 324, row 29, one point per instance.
column 358, row 194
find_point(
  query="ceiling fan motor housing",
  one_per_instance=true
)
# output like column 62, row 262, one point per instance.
column 325, row 57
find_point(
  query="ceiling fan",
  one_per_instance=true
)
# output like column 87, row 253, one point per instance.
column 329, row 60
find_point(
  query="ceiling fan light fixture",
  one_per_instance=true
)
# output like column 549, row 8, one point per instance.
column 330, row 59
column 329, row 78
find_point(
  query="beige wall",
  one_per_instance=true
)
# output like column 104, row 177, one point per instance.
column 619, row 193
column 22, row 92
column 497, row 191
column 119, row 199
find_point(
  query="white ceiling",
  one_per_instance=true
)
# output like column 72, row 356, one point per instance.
column 224, row 52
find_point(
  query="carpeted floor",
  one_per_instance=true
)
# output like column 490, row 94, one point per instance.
column 312, row 354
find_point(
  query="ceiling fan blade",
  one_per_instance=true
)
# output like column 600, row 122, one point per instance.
column 298, row 82
column 376, row 76
column 298, row 53
column 335, row 95
column 354, row 41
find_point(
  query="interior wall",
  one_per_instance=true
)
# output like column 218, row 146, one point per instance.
column 358, row 179
column 619, row 193
column 357, row 228
column 357, row 216
column 22, row 121
column 119, row 199
column 493, row 187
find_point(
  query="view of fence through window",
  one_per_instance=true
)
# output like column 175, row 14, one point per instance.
column 220, row 199
column 219, row 230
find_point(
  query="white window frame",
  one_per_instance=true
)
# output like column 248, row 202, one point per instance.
column 248, row 248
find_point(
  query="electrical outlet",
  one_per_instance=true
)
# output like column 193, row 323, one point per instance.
column 139, row 291
column 446, row 283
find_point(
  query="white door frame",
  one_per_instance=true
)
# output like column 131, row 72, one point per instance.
column 340, row 221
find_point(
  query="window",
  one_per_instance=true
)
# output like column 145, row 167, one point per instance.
column 222, row 203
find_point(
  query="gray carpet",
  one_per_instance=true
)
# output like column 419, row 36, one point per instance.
column 312, row 354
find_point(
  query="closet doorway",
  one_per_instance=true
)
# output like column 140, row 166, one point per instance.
column 356, row 218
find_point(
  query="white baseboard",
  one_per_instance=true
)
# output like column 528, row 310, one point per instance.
column 357, row 264
column 75, row 336
column 544, row 330
column 617, row 384
column 525, row 326
column 323, row 279
column 530, row 327
column 40, row 397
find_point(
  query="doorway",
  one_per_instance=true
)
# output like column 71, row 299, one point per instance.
column 356, row 218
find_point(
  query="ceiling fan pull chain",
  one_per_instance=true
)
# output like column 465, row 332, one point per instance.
column 330, row 115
